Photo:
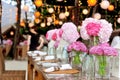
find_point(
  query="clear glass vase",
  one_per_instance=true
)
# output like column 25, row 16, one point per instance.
column 88, row 67
column 103, row 67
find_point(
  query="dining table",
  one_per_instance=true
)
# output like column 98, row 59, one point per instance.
column 37, row 67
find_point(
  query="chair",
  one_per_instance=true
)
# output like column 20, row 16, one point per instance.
column 9, row 74
column 21, row 52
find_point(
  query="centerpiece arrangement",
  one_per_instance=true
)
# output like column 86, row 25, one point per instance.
column 93, row 51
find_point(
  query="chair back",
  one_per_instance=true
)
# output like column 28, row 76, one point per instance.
column 2, row 63
column 8, row 48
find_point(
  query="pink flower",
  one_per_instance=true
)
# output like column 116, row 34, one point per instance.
column 96, row 50
column 50, row 33
column 25, row 42
column 60, row 32
column 90, row 27
column 93, row 29
column 105, row 31
column 9, row 42
column 54, row 36
column 103, row 49
column 110, row 51
column 56, row 44
column 70, row 33
column 77, row 46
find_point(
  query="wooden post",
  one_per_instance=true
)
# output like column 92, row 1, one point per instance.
column 0, row 21
column 76, row 13
column 16, row 37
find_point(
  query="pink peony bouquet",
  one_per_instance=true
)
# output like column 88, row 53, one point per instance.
column 102, row 51
column 98, row 33
column 54, row 35
column 70, row 33
column 96, row 28
column 77, row 47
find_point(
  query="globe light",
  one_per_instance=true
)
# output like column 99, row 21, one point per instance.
column 97, row 16
column 48, row 23
column 49, row 19
column 11, row 33
column 42, row 24
column 104, row 4
column 67, row 13
column 60, row 22
column 50, row 10
column 38, row 3
column 91, row 2
column 85, row 11
column 62, row 15
column 111, row 7
column 118, row 20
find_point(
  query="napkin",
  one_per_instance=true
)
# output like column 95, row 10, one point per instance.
column 33, row 54
column 48, row 64
column 29, row 53
column 37, row 59
column 42, row 53
column 36, row 51
column 51, row 69
column 63, row 67
column 49, row 57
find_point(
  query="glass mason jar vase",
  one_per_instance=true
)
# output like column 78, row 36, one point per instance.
column 88, row 67
column 102, row 67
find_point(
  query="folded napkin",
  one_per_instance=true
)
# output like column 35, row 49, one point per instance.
column 49, row 57
column 65, row 66
column 37, row 58
column 33, row 54
column 49, row 64
column 30, row 53
column 62, row 67
column 36, row 51
column 51, row 69
column 42, row 53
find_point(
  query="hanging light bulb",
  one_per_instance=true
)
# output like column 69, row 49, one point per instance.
column 48, row 23
column 91, row 2
column 38, row 3
column 49, row 19
column 104, row 4
column 50, row 10
column 62, row 15
column 42, row 24
column 111, row 7
column 11, row 33
column 60, row 22
column 118, row 20
column 97, row 16
column 85, row 11
column 67, row 13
